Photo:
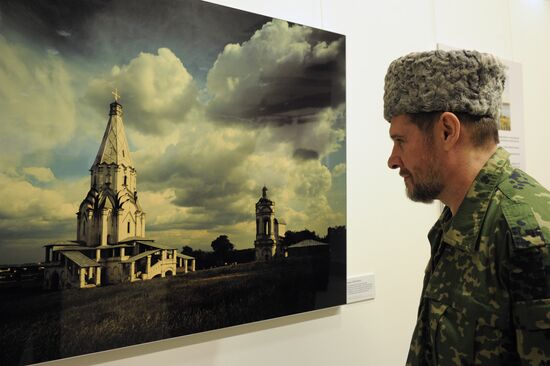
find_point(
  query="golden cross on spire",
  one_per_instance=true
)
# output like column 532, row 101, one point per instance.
column 115, row 94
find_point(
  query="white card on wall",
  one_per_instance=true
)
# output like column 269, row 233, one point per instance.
column 360, row 288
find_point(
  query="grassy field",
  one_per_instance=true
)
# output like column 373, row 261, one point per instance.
column 42, row 326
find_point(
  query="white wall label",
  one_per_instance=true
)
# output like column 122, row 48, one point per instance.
column 360, row 288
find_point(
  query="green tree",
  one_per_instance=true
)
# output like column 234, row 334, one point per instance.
column 187, row 250
column 222, row 246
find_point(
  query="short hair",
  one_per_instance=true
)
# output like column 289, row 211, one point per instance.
column 483, row 129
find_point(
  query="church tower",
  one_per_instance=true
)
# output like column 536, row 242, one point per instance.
column 267, row 239
column 111, row 212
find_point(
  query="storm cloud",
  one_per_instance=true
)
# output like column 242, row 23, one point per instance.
column 158, row 91
column 282, row 74
column 33, row 117
column 212, row 177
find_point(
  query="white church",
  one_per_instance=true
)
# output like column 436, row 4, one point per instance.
column 111, row 246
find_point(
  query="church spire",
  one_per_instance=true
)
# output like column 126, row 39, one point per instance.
column 114, row 146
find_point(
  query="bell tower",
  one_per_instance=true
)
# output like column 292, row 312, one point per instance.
column 266, row 240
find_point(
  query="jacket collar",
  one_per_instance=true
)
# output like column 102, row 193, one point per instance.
column 462, row 230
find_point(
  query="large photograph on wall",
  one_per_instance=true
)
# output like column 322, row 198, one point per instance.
column 166, row 168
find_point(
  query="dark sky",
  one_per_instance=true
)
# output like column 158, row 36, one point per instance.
column 116, row 30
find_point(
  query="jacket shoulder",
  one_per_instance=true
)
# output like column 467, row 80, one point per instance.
column 526, row 208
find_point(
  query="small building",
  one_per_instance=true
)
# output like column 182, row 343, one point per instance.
column 269, row 230
column 111, row 246
column 308, row 247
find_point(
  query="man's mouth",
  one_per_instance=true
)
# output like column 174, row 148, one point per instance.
column 404, row 174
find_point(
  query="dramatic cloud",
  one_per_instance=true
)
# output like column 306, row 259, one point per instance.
column 31, row 216
column 203, row 172
column 283, row 74
column 21, row 201
column 315, row 139
column 157, row 91
column 339, row 170
column 38, row 116
column 209, row 179
column 36, row 102
column 40, row 174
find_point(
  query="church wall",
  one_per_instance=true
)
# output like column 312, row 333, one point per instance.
column 121, row 172
column 169, row 265
column 88, row 277
column 60, row 277
column 271, row 226
column 48, row 274
column 105, row 226
column 127, row 216
column 79, row 225
column 280, row 229
column 113, row 225
column 116, row 223
column 101, row 176
column 142, row 224
column 114, row 271
column 84, row 228
column 92, row 238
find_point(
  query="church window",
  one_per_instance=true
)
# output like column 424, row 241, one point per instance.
column 123, row 153
column 257, row 226
column 128, row 227
column 265, row 227
column 125, row 180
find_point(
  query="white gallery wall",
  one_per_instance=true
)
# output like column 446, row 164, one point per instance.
column 386, row 232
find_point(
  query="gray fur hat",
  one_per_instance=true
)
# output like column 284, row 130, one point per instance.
column 438, row 81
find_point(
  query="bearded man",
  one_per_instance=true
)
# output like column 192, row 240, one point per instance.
column 486, row 293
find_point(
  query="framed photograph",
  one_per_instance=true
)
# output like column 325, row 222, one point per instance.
column 167, row 167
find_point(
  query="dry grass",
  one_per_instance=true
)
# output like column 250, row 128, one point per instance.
column 50, row 325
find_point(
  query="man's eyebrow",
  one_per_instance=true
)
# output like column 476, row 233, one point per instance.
column 395, row 136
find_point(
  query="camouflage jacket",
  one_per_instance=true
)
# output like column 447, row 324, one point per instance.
column 486, row 294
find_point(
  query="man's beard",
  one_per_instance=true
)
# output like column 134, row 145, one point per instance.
column 428, row 189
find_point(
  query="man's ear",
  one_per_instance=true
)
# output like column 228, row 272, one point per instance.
column 448, row 130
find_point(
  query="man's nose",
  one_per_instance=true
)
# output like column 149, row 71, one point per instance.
column 394, row 161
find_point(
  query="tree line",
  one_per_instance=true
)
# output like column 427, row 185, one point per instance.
column 224, row 252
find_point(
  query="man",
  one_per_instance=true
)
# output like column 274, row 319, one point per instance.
column 486, row 293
